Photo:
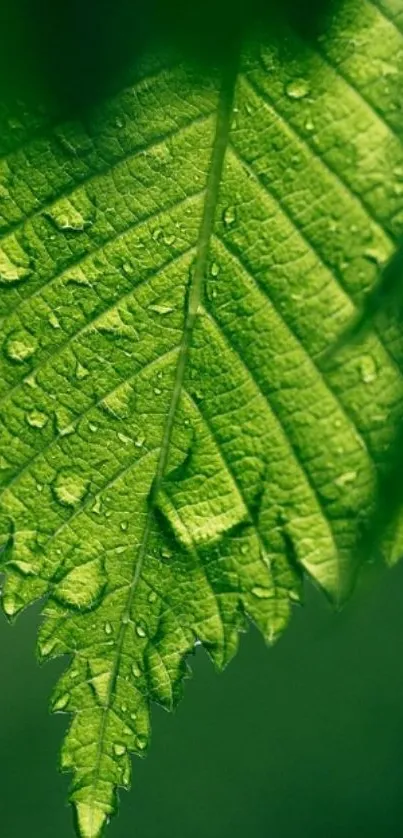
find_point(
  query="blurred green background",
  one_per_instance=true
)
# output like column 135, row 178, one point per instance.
column 305, row 739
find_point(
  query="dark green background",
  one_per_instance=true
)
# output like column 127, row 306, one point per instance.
column 305, row 739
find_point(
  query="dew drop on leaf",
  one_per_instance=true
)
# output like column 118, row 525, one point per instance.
column 261, row 592
column 136, row 670
column 229, row 216
column 69, row 487
column 169, row 240
column 108, row 628
column 161, row 309
column 140, row 630
column 97, row 507
column 53, row 321
column 123, row 438
column 37, row 419
column 119, row 749
column 141, row 742
column 215, row 269
column 63, row 421
column 368, row 369
column 66, row 218
column 12, row 272
column 346, row 478
column 81, row 372
column 20, row 346
column 297, row 88
column 83, row 586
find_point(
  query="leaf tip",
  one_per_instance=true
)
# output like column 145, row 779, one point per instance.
column 90, row 820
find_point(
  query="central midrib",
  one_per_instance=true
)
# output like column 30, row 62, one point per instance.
column 194, row 300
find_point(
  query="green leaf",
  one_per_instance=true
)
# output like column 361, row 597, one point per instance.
column 177, row 446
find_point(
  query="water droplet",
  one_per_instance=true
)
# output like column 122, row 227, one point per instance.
column 69, row 488
column 93, row 428
column 347, row 477
column 229, row 216
column 78, row 277
column 31, row 381
column 119, row 122
column 261, row 592
column 152, row 596
column 368, row 369
column 161, row 309
column 83, row 586
column 136, row 670
column 64, row 422
column 123, row 438
column 133, row 716
column 97, row 506
column 60, row 703
column 20, row 346
column 157, row 391
column 66, row 218
column 140, row 630
column 37, row 419
column 215, row 269
column 165, row 553
column 53, row 321
column 139, row 442
column 81, row 372
column 101, row 684
column 111, row 322
column 119, row 749
column 297, row 88
column 169, row 240
column 108, row 628
column 14, row 268
column 309, row 124
column 124, row 525
column 141, row 742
